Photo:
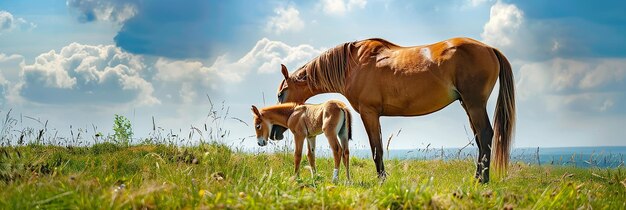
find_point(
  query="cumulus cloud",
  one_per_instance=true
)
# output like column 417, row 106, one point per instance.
column 86, row 74
column 104, row 10
column 265, row 57
column 340, row 7
column 567, row 33
column 504, row 22
column 589, row 85
column 510, row 31
column 183, row 78
column 10, row 67
column 555, row 75
column 8, row 22
column 286, row 19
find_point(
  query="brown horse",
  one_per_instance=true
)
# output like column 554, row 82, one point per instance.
column 380, row 78
column 332, row 118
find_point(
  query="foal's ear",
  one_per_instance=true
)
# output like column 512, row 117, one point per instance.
column 256, row 111
column 284, row 71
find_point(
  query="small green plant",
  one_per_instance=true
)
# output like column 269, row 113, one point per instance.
column 123, row 130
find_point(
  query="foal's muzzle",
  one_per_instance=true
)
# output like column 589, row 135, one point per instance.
column 261, row 142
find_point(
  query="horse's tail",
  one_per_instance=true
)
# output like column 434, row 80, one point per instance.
column 504, row 120
column 348, row 122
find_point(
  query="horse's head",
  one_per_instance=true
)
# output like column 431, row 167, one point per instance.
column 291, row 89
column 262, row 127
column 294, row 88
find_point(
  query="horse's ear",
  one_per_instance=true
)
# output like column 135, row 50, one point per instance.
column 284, row 71
column 256, row 111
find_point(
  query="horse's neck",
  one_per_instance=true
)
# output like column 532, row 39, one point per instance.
column 278, row 115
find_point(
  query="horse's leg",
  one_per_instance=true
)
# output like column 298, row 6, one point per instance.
column 471, row 124
column 311, row 152
column 479, row 167
column 336, row 148
column 371, row 121
column 346, row 153
column 484, row 134
column 298, row 153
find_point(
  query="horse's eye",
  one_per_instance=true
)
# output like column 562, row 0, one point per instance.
column 258, row 126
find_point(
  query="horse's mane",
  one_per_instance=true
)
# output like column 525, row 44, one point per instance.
column 327, row 72
column 381, row 40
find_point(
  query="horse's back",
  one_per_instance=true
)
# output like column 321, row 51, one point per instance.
column 403, row 74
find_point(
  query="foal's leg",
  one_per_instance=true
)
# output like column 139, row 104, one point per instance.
column 331, row 135
column 311, row 152
column 298, row 153
column 346, row 153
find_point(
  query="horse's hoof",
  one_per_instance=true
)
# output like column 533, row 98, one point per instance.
column 382, row 176
column 482, row 180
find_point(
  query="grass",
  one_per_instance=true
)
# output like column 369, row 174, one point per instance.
column 108, row 176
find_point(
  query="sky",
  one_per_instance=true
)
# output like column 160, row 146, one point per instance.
column 70, row 66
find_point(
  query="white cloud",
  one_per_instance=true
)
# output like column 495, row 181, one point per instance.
column 101, row 74
column 188, row 77
column 8, row 22
column 191, row 77
column 105, row 10
column 593, row 84
column 340, row 7
column 10, row 67
column 265, row 57
column 286, row 19
column 529, row 39
column 504, row 22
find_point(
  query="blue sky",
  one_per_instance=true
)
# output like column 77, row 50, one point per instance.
column 79, row 62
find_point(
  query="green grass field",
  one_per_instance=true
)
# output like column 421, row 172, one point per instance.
column 108, row 176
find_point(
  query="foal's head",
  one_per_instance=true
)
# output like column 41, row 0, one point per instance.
column 262, row 127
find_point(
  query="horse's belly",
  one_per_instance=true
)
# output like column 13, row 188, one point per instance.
column 419, row 102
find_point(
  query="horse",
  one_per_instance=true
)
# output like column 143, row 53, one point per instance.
column 332, row 118
column 380, row 78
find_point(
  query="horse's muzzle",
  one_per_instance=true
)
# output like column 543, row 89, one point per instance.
column 277, row 132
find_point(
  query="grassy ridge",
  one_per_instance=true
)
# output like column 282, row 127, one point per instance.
column 107, row 176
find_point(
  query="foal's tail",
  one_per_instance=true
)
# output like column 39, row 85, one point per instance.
column 348, row 122
column 504, row 122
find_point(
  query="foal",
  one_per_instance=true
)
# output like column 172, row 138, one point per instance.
column 307, row 121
